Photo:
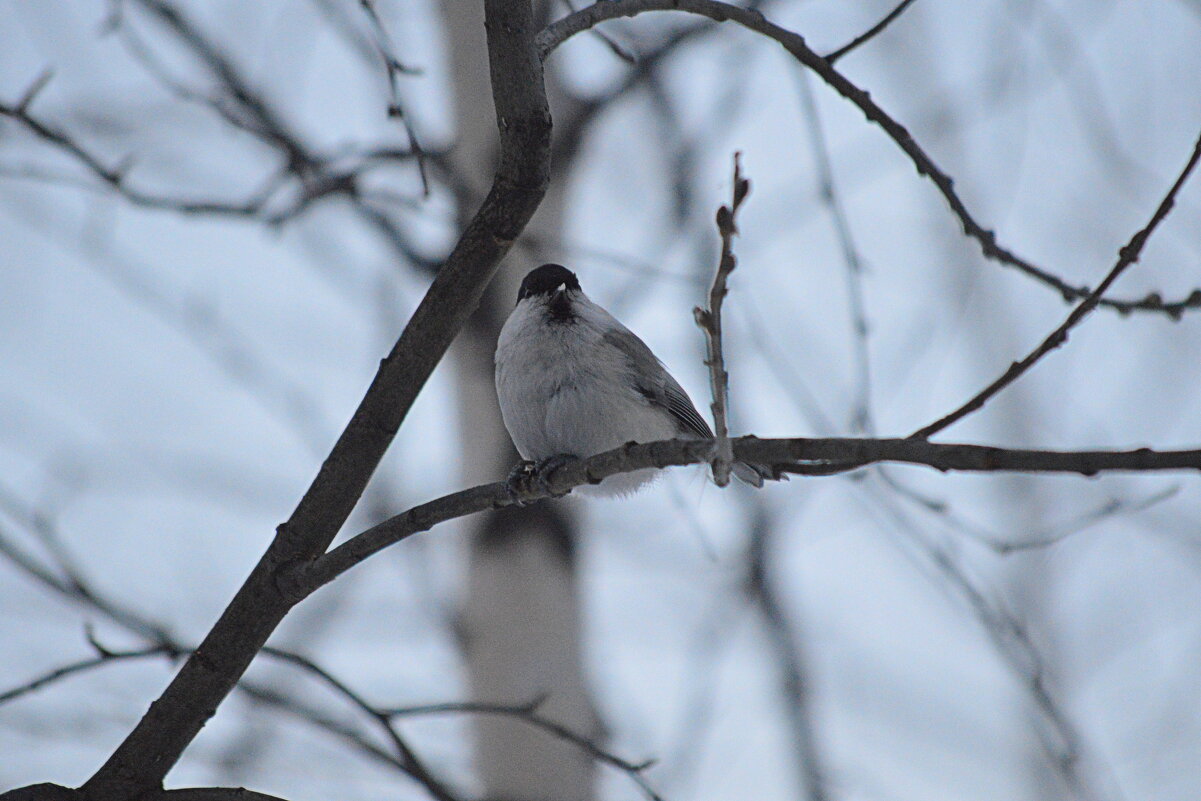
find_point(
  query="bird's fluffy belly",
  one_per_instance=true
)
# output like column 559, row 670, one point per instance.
column 577, row 413
column 585, row 418
column 563, row 398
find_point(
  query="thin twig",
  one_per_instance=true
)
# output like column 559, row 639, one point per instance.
column 1107, row 511
column 861, row 413
column 870, row 33
column 585, row 19
column 609, row 42
column 795, row 685
column 104, row 657
column 1012, row 641
column 75, row 588
column 409, row 760
column 395, row 69
column 68, row 578
column 1127, row 256
column 709, row 321
column 115, row 177
column 406, row 759
column 528, row 713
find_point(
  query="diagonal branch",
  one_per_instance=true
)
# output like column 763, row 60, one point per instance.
column 408, row 758
column 870, row 33
column 54, row 792
column 147, row 754
column 585, row 19
column 1127, row 256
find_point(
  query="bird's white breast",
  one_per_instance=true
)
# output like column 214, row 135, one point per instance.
column 564, row 390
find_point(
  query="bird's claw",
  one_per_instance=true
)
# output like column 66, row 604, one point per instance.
column 520, row 482
column 545, row 467
column 527, row 476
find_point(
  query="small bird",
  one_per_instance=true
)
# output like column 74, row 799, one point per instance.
column 574, row 382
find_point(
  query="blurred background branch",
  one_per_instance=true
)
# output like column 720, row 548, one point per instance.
column 217, row 215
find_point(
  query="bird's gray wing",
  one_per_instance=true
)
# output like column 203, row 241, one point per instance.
column 656, row 384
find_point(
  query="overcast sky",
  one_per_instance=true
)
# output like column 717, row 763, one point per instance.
column 169, row 384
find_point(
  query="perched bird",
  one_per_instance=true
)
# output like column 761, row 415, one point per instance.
column 574, row 382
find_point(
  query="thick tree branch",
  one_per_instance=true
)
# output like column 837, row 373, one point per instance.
column 1127, row 256
column 787, row 455
column 148, row 753
column 54, row 792
column 212, row 794
column 587, row 18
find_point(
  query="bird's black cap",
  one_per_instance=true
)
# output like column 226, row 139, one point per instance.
column 545, row 280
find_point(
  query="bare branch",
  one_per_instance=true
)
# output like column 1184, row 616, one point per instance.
column 394, row 70
column 405, row 758
column 76, row 588
column 104, row 657
column 409, row 759
column 528, row 713
column 212, row 794
column 787, row 455
column 1127, row 256
column 1066, row 748
column 870, row 33
column 115, row 176
column 861, row 413
column 270, row 123
column 147, row 754
column 587, row 18
column 54, row 792
column 35, row 89
column 795, row 684
column 70, row 580
column 709, row 321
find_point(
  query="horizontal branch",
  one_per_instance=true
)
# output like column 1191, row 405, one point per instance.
column 83, row 665
column 54, row 792
column 799, row 455
column 587, row 18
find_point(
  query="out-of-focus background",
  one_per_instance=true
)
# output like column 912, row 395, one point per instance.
column 182, row 340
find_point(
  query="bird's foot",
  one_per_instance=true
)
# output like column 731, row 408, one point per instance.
column 526, row 476
column 545, row 467
column 520, row 481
